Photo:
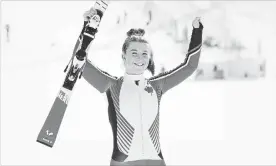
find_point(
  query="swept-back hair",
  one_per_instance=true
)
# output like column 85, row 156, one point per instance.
column 137, row 35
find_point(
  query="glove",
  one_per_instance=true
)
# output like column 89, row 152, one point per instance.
column 88, row 14
column 93, row 18
column 197, row 23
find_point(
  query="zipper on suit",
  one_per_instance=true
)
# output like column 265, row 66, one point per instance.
column 141, row 119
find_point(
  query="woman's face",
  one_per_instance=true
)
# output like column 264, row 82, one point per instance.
column 136, row 58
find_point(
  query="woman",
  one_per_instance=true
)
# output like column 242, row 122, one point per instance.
column 134, row 100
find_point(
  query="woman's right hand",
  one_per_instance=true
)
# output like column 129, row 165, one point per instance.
column 89, row 14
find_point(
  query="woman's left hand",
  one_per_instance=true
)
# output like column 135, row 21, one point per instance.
column 196, row 22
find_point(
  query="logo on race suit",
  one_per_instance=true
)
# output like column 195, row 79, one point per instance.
column 63, row 97
column 148, row 88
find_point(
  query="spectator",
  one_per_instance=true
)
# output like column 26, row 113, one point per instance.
column 8, row 32
column 150, row 17
column 162, row 69
column 218, row 73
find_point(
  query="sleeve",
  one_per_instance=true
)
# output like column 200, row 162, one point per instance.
column 175, row 76
column 97, row 78
column 93, row 75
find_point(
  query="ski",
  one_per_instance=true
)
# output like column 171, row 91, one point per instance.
column 51, row 126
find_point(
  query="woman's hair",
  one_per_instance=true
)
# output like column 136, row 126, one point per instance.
column 137, row 35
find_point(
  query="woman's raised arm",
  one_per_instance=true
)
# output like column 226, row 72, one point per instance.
column 93, row 75
column 175, row 76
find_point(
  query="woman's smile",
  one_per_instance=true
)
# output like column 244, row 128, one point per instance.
column 139, row 64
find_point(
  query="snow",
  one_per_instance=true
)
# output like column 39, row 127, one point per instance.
column 202, row 123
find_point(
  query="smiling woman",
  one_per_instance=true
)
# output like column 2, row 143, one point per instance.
column 137, row 53
column 134, row 100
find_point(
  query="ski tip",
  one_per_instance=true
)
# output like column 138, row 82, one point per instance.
column 101, row 5
column 105, row 2
column 44, row 143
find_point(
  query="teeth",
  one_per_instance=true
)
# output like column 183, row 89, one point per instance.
column 139, row 64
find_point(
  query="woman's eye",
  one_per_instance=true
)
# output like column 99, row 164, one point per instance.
column 145, row 54
column 134, row 53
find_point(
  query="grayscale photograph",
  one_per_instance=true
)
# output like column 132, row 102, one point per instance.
column 148, row 83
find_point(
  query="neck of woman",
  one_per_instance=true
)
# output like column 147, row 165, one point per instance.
column 134, row 76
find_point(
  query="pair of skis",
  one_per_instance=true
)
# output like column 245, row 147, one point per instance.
column 50, row 128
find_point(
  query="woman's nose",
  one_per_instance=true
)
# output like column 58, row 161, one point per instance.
column 139, row 56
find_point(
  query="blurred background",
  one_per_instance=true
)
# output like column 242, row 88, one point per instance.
column 223, row 114
column 237, row 43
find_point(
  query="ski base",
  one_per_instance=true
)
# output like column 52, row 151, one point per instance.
column 44, row 143
column 49, row 131
column 48, row 134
